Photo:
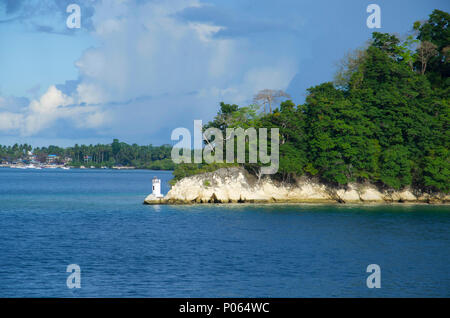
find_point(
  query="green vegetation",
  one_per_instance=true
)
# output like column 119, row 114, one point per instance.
column 189, row 169
column 385, row 119
column 115, row 154
column 12, row 153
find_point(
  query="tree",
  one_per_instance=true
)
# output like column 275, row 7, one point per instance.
column 425, row 52
column 348, row 66
column 436, row 30
column 437, row 169
column 386, row 42
column 396, row 167
column 269, row 97
column 115, row 148
column 224, row 117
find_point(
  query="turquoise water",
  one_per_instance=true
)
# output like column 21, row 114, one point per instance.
column 95, row 218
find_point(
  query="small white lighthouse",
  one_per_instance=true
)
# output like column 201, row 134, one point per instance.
column 156, row 187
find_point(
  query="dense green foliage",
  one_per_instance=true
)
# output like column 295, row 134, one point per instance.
column 386, row 121
column 117, row 153
column 11, row 153
column 189, row 169
column 436, row 30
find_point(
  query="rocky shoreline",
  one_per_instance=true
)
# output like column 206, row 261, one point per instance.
column 236, row 185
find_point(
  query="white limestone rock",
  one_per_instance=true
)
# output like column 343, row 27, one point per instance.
column 370, row 193
column 232, row 185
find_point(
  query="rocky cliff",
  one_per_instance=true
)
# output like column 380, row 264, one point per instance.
column 235, row 185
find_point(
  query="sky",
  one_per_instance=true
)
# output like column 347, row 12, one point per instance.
column 137, row 69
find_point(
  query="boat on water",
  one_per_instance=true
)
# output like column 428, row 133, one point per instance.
column 65, row 168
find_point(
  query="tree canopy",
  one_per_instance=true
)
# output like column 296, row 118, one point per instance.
column 385, row 120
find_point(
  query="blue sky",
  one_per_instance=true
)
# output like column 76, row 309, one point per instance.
column 138, row 69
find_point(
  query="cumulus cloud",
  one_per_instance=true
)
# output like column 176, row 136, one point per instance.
column 10, row 121
column 50, row 101
column 53, row 105
column 148, row 49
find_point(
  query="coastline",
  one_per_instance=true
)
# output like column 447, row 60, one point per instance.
column 294, row 203
column 60, row 166
column 236, row 186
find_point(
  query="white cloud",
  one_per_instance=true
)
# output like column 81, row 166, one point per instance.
column 94, row 119
column 205, row 31
column 52, row 106
column 10, row 121
column 145, row 50
column 90, row 93
column 41, row 113
column 50, row 101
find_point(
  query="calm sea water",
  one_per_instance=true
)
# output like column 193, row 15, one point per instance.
column 52, row 218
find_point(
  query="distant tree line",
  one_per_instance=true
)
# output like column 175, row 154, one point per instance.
column 114, row 154
column 11, row 153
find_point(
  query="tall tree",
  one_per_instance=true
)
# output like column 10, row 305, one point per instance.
column 269, row 97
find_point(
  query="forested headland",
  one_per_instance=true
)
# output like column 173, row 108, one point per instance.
column 384, row 118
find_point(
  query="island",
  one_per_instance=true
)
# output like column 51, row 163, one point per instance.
column 377, row 133
column 236, row 185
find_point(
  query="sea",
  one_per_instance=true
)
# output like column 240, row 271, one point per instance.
column 64, row 229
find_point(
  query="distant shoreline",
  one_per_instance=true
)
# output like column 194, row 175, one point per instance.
column 50, row 167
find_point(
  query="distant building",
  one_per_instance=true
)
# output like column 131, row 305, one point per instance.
column 52, row 158
column 87, row 158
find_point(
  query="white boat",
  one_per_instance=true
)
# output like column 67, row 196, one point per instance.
column 65, row 168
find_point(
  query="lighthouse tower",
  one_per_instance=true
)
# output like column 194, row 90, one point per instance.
column 156, row 187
